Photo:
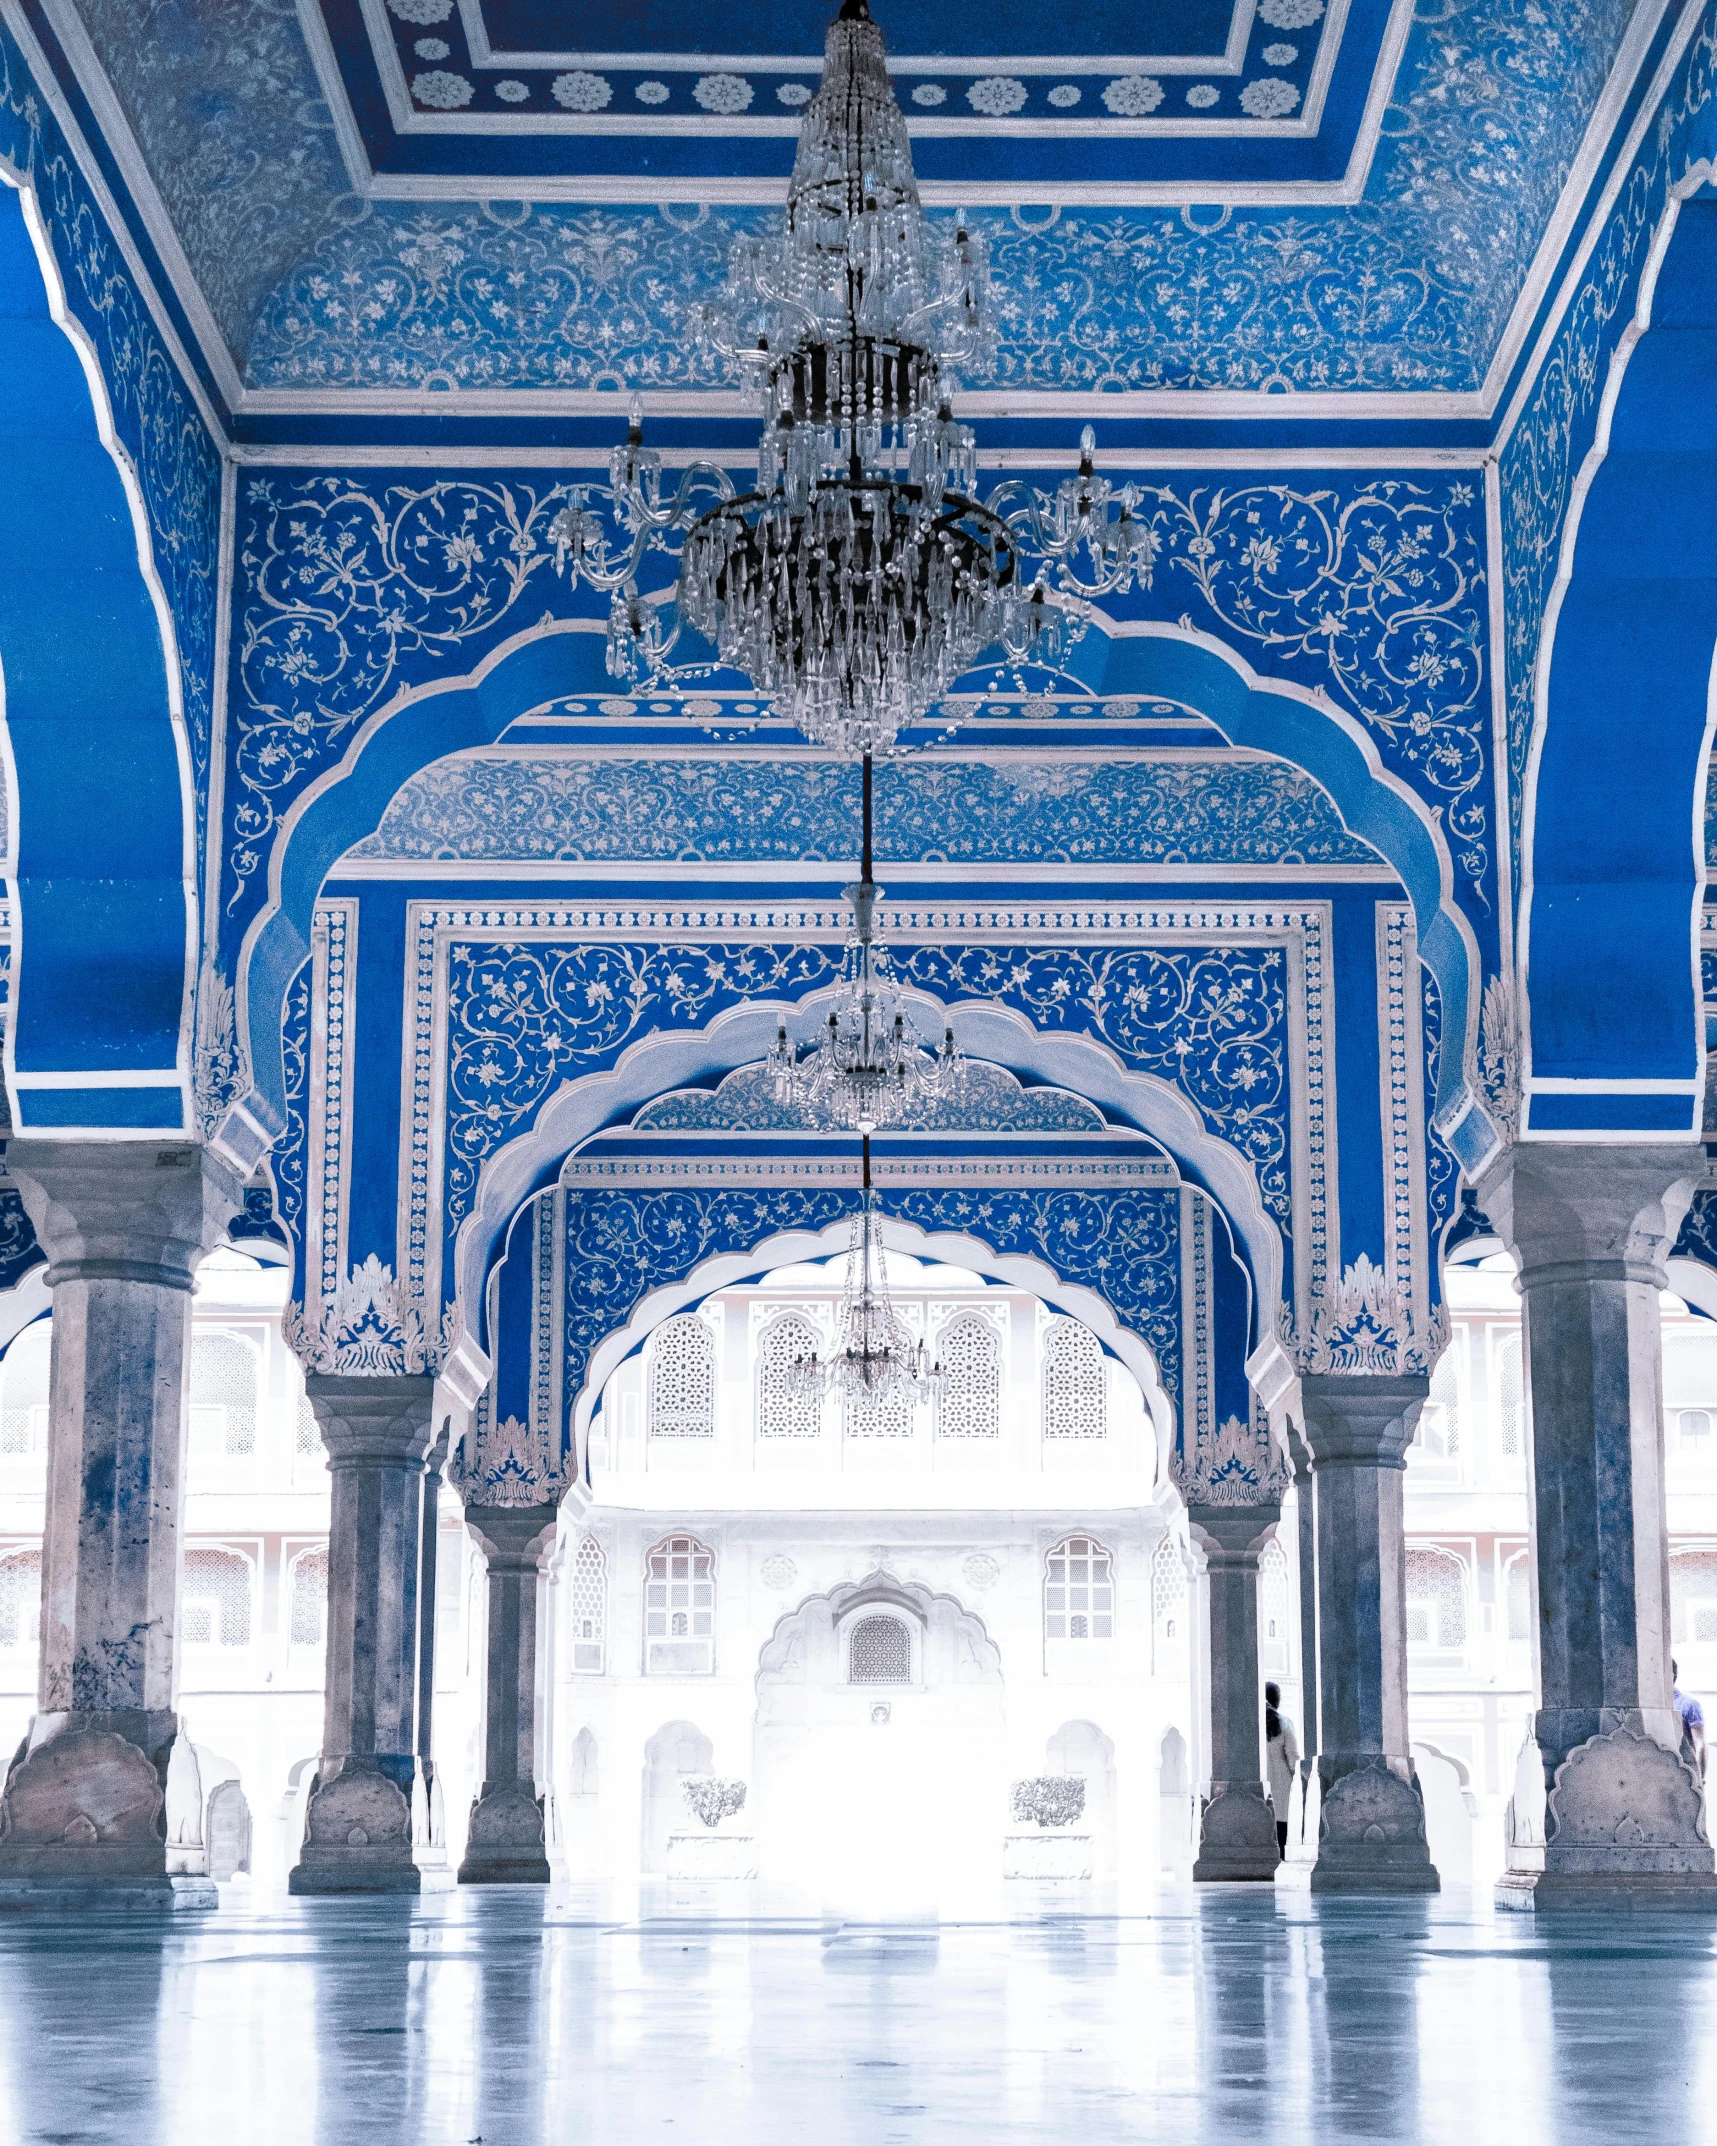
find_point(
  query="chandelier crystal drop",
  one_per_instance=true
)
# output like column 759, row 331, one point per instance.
column 875, row 1355
column 870, row 1068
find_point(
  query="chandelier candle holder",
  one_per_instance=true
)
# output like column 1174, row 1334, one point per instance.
column 875, row 1355
column 869, row 1069
column 861, row 576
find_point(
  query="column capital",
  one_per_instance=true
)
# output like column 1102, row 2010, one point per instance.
column 378, row 1422
column 125, row 1211
column 513, row 1537
column 1360, row 1417
column 1580, row 1210
column 1234, row 1533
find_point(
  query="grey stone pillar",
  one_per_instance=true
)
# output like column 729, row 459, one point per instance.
column 1592, row 1227
column 429, row 1831
column 1369, row 1812
column 508, row 1842
column 357, row 1833
column 1237, row 1836
column 84, row 1810
column 1306, row 1523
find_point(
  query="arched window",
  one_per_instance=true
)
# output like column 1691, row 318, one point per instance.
column 679, row 1607
column 21, row 1598
column 582, row 1778
column 682, row 1380
column 223, row 1393
column 589, row 1608
column 214, row 1599
column 1075, row 1384
column 1693, row 1432
column 306, row 1433
column 1436, row 1599
column 783, row 1409
column 1510, row 1396
column 879, row 1651
column 1078, row 1591
column 308, row 1599
column 24, row 1391
column 1693, row 1598
column 1517, row 1581
column 1169, row 1604
column 970, row 1352
column 1437, row 1434
column 1273, row 1609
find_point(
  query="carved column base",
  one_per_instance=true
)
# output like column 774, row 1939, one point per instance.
column 1369, row 1817
column 1237, row 1839
column 508, row 1840
column 1622, row 1825
column 357, row 1836
column 85, row 1814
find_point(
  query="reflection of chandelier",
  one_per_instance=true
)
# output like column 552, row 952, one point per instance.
column 861, row 576
column 875, row 1355
column 869, row 1068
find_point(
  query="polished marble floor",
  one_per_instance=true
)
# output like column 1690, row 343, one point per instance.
column 509, row 2017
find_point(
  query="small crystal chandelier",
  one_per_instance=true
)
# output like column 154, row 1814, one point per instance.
column 869, row 1068
column 875, row 1355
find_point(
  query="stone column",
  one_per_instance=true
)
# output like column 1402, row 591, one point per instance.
column 1364, row 1791
column 429, row 1831
column 1305, row 1518
column 84, row 1812
column 507, row 1842
column 358, row 1833
column 1591, row 1227
column 1237, row 1837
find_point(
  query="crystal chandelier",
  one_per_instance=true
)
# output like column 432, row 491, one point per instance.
column 875, row 1355
column 861, row 576
column 869, row 1068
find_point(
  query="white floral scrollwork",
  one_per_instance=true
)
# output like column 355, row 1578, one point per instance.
column 370, row 1328
column 219, row 1071
column 1365, row 1325
column 1499, row 1054
column 1239, row 1464
column 506, row 1463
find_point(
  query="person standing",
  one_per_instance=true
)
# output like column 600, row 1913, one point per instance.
column 1692, row 1717
column 1281, row 1757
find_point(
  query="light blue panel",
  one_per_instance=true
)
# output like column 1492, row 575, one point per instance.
column 101, row 834
column 1615, row 868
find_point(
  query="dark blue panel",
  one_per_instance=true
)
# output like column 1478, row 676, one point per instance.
column 120, row 1109
column 1649, row 1116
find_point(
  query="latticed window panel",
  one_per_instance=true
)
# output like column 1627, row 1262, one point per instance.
column 876, row 1416
column 1518, row 1590
column 1078, row 1591
column 215, row 1599
column 1273, row 1606
column 1169, row 1599
column 1693, row 1598
column 223, row 1391
column 21, row 1598
column 682, row 1380
column 308, row 1599
column 306, row 1434
column 589, row 1593
column 24, row 1391
column 879, row 1651
column 1510, row 1398
column 1075, row 1384
column 782, row 1410
column 1693, row 1432
column 1436, row 1599
column 679, row 1605
column 970, row 1353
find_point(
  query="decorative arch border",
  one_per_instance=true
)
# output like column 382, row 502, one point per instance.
column 882, row 1590
column 104, row 960
column 558, row 657
column 1591, row 664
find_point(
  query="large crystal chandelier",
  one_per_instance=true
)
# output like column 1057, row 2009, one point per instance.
column 869, row 1068
column 860, row 576
column 875, row 1355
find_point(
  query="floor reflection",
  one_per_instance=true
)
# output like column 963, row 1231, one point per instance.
column 513, row 2017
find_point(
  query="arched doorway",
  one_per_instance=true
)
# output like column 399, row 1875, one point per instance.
column 1080, row 1747
column 672, row 1756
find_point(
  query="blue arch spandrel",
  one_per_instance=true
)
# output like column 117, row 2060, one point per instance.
column 570, row 659
column 104, row 907
column 1616, row 844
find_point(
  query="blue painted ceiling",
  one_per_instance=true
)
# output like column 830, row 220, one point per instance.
column 342, row 205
